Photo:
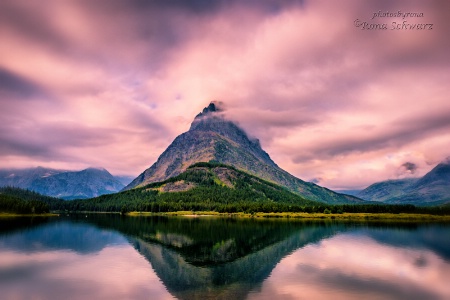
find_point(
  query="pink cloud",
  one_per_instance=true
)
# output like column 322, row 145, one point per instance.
column 327, row 99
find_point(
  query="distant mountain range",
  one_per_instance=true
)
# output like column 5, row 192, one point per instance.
column 431, row 189
column 63, row 184
column 212, row 138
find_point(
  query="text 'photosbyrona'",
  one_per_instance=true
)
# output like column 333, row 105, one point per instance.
column 401, row 22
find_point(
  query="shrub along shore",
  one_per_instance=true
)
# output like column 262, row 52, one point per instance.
column 407, row 217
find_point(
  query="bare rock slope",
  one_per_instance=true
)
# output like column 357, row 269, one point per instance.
column 212, row 138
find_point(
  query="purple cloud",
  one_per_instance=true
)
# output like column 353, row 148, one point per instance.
column 113, row 83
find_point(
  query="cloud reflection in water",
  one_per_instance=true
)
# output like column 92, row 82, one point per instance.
column 332, row 268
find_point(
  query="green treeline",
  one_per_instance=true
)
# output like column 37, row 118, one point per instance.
column 16, row 205
column 248, row 207
column 210, row 187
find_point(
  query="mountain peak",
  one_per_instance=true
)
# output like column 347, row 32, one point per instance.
column 446, row 161
column 96, row 169
column 87, row 183
column 210, row 117
column 431, row 189
column 212, row 137
column 213, row 107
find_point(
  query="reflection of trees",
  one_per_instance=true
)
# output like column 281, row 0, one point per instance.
column 225, row 257
column 45, row 234
column 433, row 238
column 214, row 257
column 207, row 241
column 209, row 257
column 227, row 280
column 226, row 270
column 11, row 225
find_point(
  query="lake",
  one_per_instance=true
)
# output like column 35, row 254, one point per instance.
column 112, row 257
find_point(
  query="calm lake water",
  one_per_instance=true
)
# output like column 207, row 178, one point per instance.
column 113, row 257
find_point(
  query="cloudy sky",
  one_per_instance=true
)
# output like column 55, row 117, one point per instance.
column 112, row 83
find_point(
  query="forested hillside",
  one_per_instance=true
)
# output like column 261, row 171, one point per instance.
column 17, row 200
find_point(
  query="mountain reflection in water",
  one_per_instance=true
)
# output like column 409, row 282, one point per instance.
column 220, row 258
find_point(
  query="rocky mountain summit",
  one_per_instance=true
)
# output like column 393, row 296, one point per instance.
column 385, row 190
column 63, row 184
column 431, row 189
column 213, row 138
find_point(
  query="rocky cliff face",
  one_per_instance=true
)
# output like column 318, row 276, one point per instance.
column 211, row 137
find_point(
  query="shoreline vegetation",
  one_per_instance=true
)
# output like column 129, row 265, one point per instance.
column 15, row 215
column 366, row 217
column 305, row 216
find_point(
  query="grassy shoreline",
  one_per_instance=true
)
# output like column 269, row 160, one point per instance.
column 14, row 215
column 402, row 217
column 307, row 216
